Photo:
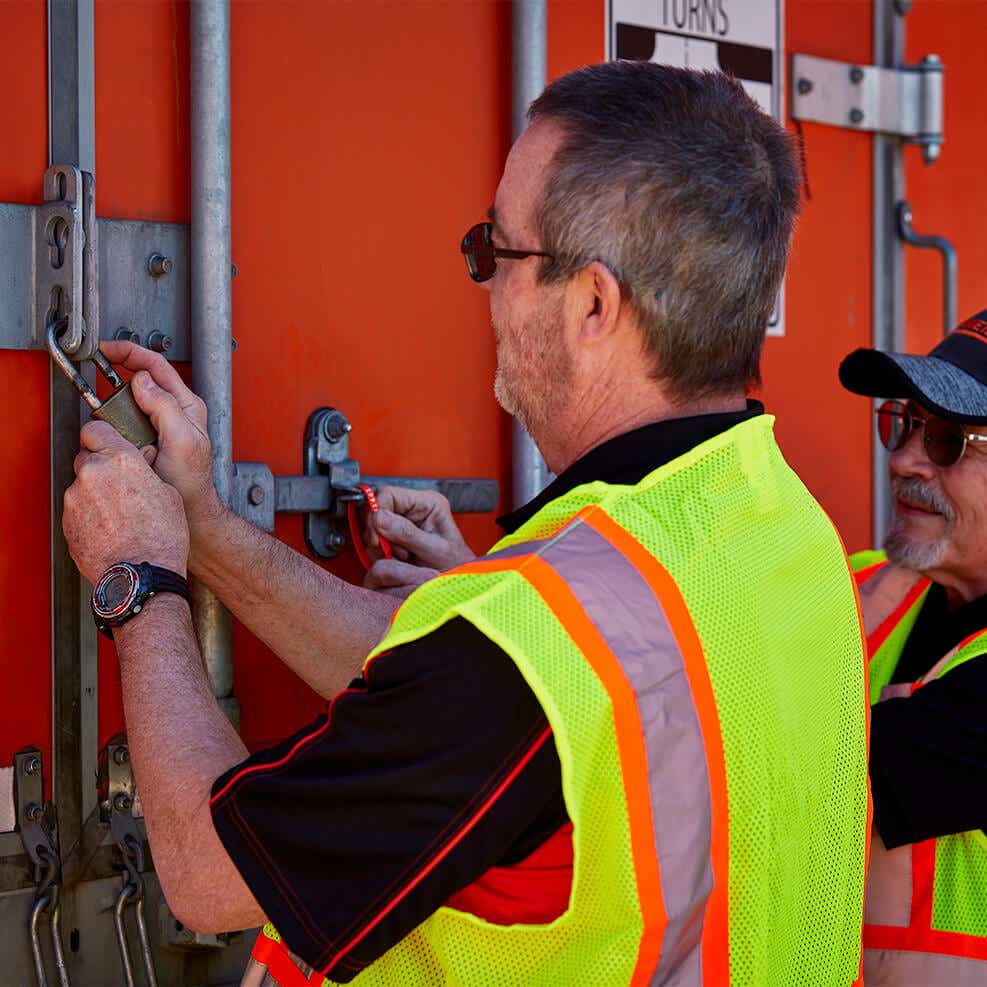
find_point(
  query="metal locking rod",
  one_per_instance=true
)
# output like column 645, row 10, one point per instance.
column 950, row 275
column 47, row 903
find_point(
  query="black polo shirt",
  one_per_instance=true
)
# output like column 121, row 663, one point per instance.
column 356, row 829
column 928, row 751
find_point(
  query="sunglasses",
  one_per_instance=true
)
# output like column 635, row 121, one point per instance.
column 481, row 255
column 944, row 441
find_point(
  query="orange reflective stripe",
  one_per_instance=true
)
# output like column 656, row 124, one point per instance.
column 630, row 740
column 862, row 575
column 716, row 925
column 883, row 632
column 280, row 966
column 857, row 583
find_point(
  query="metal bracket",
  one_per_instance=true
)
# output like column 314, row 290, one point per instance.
column 35, row 816
column 117, row 791
column 51, row 259
column 905, row 102
column 330, row 482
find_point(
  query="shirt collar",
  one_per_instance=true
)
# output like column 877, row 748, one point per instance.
column 629, row 458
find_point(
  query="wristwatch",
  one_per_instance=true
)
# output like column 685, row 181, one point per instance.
column 125, row 587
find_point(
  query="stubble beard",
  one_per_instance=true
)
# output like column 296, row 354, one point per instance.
column 909, row 552
column 533, row 369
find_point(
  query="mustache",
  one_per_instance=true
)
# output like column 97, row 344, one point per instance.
column 916, row 491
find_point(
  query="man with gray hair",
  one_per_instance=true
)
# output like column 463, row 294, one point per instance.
column 924, row 602
column 626, row 746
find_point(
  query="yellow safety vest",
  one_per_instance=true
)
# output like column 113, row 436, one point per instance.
column 695, row 643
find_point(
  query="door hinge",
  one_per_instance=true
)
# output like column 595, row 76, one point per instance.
column 905, row 101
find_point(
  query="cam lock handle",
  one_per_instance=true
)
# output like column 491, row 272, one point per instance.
column 120, row 409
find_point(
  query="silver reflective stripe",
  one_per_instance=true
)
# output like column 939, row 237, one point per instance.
column 625, row 611
column 903, row 968
column 257, row 975
column 889, row 884
column 897, row 690
column 513, row 551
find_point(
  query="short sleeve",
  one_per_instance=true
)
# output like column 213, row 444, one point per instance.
column 436, row 766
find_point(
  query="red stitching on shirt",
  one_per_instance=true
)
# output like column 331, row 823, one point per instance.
column 477, row 816
column 294, row 750
column 305, row 920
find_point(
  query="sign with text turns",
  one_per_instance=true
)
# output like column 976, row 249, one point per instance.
column 742, row 37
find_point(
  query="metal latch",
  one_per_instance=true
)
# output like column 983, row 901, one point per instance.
column 906, row 102
column 329, row 484
column 118, row 804
column 67, row 261
column 36, row 823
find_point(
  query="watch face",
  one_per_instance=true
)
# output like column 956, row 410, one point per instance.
column 115, row 591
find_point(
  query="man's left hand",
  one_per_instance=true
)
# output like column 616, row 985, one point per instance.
column 119, row 510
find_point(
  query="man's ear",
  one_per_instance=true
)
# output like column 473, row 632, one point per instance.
column 599, row 300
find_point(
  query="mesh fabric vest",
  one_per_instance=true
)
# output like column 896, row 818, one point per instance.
column 926, row 918
column 695, row 643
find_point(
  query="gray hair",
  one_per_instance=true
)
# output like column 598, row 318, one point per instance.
column 680, row 184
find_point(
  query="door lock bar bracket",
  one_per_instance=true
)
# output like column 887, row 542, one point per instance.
column 329, row 483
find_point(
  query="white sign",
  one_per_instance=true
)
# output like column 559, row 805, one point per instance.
column 742, row 37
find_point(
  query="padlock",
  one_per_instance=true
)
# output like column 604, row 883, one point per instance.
column 120, row 409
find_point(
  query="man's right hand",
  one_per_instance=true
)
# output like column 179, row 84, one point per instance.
column 184, row 456
column 420, row 528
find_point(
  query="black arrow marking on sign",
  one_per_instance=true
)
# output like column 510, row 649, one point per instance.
column 749, row 62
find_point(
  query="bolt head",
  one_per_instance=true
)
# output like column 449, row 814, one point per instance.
column 335, row 426
column 32, row 766
column 856, row 74
column 158, row 265
column 856, row 115
column 34, row 812
column 804, row 86
column 122, row 802
column 335, row 541
column 121, row 755
column 127, row 335
column 256, row 495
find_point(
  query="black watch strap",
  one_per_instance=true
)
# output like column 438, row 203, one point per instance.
column 166, row 581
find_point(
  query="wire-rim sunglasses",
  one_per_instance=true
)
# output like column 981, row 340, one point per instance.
column 944, row 441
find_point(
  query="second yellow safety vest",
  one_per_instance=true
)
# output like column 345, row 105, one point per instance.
column 926, row 916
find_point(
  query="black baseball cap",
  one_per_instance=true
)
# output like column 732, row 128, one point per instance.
column 950, row 382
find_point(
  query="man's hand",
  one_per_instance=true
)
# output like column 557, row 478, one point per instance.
column 396, row 578
column 419, row 526
column 117, row 510
column 425, row 539
column 184, row 457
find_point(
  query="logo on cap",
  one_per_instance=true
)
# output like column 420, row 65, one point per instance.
column 975, row 327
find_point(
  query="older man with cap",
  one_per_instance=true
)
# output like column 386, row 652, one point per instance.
column 925, row 611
